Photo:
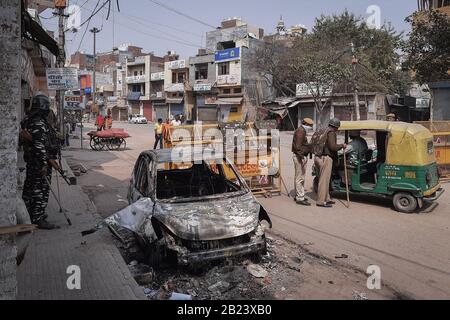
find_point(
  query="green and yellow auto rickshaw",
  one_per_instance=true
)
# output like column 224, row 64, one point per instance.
column 401, row 164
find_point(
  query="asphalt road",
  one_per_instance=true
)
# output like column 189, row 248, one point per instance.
column 412, row 251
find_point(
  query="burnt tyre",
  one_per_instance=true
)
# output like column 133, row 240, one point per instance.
column 156, row 255
column 405, row 202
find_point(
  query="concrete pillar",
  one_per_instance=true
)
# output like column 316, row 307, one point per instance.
column 10, row 42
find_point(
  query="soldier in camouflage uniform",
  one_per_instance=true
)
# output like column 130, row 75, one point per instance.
column 36, row 136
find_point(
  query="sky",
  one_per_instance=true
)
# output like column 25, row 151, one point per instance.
column 157, row 29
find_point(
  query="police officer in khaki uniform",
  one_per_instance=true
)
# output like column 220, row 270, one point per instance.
column 324, row 163
column 301, row 149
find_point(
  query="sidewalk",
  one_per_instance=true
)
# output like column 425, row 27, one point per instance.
column 104, row 274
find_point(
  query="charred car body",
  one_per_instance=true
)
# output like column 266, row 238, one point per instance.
column 195, row 207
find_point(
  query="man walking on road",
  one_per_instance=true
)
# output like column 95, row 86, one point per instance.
column 301, row 149
column 326, row 148
column 159, row 134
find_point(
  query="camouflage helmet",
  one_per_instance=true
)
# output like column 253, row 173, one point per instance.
column 40, row 102
column 335, row 123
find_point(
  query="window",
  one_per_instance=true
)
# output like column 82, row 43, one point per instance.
column 224, row 68
column 226, row 45
column 201, row 72
column 140, row 72
column 135, row 73
column 237, row 90
column 226, row 91
column 136, row 88
column 174, row 77
column 181, row 77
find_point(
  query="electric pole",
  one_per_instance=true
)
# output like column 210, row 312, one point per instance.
column 61, row 59
column 355, row 85
column 94, row 85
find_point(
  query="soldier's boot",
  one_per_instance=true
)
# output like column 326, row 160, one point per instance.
column 45, row 225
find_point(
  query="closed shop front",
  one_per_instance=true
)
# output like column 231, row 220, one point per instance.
column 161, row 111
column 347, row 113
column 148, row 110
column 230, row 109
column 206, row 113
column 176, row 106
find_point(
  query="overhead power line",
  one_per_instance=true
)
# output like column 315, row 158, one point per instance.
column 168, row 38
column 181, row 13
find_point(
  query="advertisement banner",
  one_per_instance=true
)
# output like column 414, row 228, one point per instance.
column 199, row 87
column 178, row 64
column 62, row 79
column 228, row 55
column 157, row 76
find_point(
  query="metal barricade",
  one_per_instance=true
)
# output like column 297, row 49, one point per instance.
column 441, row 133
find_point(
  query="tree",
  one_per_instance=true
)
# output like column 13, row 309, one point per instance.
column 428, row 48
column 322, row 60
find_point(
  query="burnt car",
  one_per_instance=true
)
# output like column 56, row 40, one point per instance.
column 194, row 207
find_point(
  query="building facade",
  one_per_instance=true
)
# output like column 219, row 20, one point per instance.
column 144, row 84
column 176, row 75
column 202, row 80
column 240, row 90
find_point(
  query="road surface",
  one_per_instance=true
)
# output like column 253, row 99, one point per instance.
column 412, row 251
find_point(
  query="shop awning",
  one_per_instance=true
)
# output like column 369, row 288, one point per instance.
column 228, row 101
column 282, row 109
column 134, row 96
column 38, row 34
column 174, row 100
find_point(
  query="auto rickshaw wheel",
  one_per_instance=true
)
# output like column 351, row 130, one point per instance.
column 405, row 202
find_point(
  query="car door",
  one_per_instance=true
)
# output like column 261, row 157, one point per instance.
column 141, row 183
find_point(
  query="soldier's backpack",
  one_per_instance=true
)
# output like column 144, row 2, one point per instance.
column 318, row 141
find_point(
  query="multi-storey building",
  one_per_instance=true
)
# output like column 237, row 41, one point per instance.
column 241, row 90
column 202, row 79
column 176, row 75
column 141, row 90
column 441, row 5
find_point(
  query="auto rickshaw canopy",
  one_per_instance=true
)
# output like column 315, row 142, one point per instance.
column 408, row 144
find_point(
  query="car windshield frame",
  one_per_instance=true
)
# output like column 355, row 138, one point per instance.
column 244, row 188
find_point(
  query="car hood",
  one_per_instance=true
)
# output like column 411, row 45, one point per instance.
column 209, row 220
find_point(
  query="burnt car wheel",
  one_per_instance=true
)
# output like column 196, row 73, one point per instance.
column 156, row 255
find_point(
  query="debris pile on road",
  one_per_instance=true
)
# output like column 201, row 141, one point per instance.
column 287, row 271
column 78, row 169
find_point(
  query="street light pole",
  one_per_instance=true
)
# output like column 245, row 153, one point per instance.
column 94, row 85
column 355, row 86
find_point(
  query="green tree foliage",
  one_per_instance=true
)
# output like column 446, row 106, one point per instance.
column 428, row 46
column 322, row 59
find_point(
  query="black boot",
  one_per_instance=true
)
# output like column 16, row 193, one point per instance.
column 45, row 225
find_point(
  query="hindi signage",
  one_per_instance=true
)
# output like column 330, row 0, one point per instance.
column 62, row 79
column 72, row 102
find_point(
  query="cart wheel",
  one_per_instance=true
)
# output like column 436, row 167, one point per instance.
column 96, row 144
column 405, row 202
